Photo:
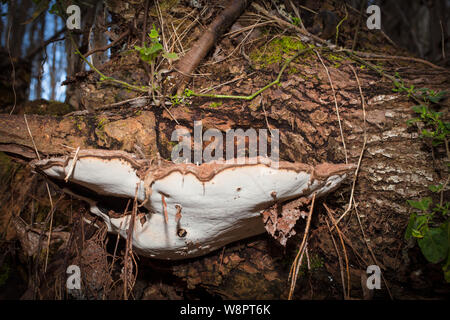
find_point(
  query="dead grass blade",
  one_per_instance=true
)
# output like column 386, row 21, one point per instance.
column 299, row 258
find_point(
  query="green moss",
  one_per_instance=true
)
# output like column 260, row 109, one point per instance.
column 101, row 124
column 79, row 122
column 293, row 70
column 277, row 51
column 215, row 104
column 334, row 57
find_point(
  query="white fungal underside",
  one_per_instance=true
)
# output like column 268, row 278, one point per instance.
column 213, row 213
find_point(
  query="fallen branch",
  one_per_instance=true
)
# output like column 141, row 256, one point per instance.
column 192, row 59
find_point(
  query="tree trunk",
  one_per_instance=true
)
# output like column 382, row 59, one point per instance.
column 396, row 166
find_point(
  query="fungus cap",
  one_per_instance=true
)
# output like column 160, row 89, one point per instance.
column 190, row 210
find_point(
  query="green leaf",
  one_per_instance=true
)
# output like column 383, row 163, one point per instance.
column 436, row 142
column 155, row 48
column 437, row 97
column 413, row 120
column 154, row 33
column 427, row 133
column 411, row 225
column 170, row 55
column 434, row 244
column 420, row 225
column 188, row 92
column 419, row 109
column 422, row 205
column 435, row 188
column 444, row 209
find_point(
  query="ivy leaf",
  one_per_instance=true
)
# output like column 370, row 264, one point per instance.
column 154, row 33
column 436, row 142
column 427, row 133
column 155, row 48
column 420, row 109
column 413, row 120
column 434, row 244
column 438, row 97
column 436, row 188
column 411, row 225
column 170, row 55
column 422, row 205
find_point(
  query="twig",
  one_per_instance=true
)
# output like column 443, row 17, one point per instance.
column 166, row 217
column 75, row 158
column 236, row 48
column 362, row 149
column 297, row 13
column 54, row 38
column 177, row 39
column 286, row 24
column 106, row 78
column 324, row 43
column 129, row 244
column 339, row 25
column 225, row 83
column 118, row 236
column 339, row 259
column 48, row 190
column 358, row 25
column 336, row 104
column 252, row 96
column 375, row 55
column 161, row 22
column 346, row 295
column 234, row 33
column 370, row 250
column 293, row 273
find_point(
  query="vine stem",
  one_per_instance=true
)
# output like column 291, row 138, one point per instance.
column 103, row 77
column 252, row 96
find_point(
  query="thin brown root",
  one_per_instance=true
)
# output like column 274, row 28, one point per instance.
column 293, row 273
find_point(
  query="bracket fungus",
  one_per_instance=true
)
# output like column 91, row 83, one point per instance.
column 185, row 210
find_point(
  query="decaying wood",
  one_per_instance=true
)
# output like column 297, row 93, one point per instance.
column 395, row 166
column 192, row 59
